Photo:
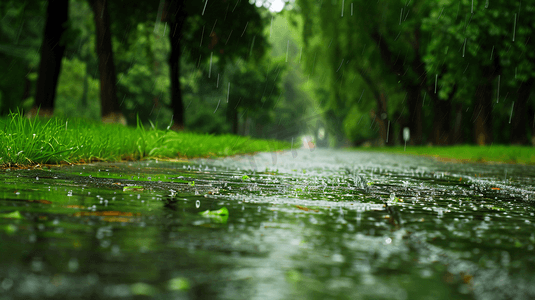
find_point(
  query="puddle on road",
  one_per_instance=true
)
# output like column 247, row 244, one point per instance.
column 323, row 225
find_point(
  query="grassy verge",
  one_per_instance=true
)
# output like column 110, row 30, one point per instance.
column 57, row 140
column 467, row 153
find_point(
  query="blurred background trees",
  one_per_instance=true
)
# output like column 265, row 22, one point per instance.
column 451, row 71
column 347, row 71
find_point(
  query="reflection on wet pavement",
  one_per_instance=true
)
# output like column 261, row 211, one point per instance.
column 322, row 224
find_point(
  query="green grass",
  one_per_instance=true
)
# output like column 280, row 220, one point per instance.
column 58, row 140
column 468, row 153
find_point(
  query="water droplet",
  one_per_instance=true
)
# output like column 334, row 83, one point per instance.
column 73, row 264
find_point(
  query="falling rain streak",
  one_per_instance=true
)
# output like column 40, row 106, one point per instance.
column 228, row 36
column 436, row 79
column 351, row 8
column 271, row 27
column 511, row 115
column 202, row 36
column 387, row 131
column 464, row 46
column 210, row 70
column 514, row 28
column 423, row 102
column 252, row 45
column 244, row 29
column 340, row 65
column 287, row 47
column 218, row 102
column 491, row 52
column 228, row 92
column 342, row 8
column 206, row 2
column 361, row 96
column 498, row 91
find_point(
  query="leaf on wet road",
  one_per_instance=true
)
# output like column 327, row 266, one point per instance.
column 12, row 215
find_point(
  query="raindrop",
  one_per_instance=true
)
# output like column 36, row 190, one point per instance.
column 202, row 36
column 287, row 47
column 244, row 29
column 228, row 36
column 514, row 29
column 511, row 115
column 219, row 102
column 37, row 265
column 204, row 7
column 387, row 131
column 464, row 46
column 197, row 203
column 73, row 264
column 441, row 11
column 210, row 70
column 498, row 91
column 7, row 283
column 271, row 27
column 115, row 250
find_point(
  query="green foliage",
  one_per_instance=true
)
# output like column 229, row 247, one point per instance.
column 20, row 31
column 405, row 50
column 70, row 91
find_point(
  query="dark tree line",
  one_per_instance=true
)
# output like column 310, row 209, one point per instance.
column 205, row 29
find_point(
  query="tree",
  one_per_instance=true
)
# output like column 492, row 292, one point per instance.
column 110, row 108
column 52, row 50
column 207, row 29
column 459, row 55
column 254, row 94
column 20, row 38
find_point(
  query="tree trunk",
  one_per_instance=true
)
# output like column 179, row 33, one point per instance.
column 382, row 120
column 441, row 122
column 174, row 13
column 109, row 105
column 51, row 55
column 458, row 136
column 415, row 115
column 531, row 123
column 519, row 134
column 235, row 122
column 482, row 117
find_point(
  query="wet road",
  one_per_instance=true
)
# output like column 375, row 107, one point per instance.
column 322, row 224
